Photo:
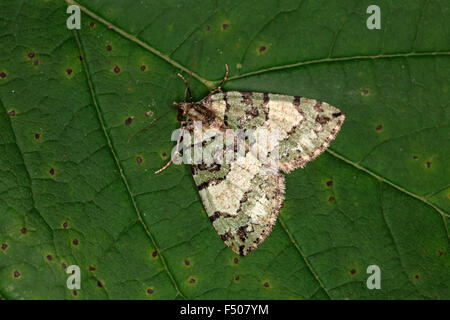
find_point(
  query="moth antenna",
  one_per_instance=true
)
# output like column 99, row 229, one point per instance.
column 219, row 88
column 188, row 90
column 187, row 82
column 192, row 69
column 149, row 125
column 176, row 151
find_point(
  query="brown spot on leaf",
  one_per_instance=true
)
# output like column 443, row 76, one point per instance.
column 143, row 67
column 65, row 225
column 416, row 276
column 164, row 154
column 63, row 265
column 37, row 136
column 353, row 271
column 149, row 113
column 332, row 198
column 3, row 75
column 117, row 69
column 23, row 230
column 191, row 280
column 4, row 246
column 75, row 293
column 329, row 183
column 51, row 171
column 91, row 24
column 99, row 284
column 235, row 260
column 440, row 252
column 428, row 164
column 154, row 254
column 81, row 58
column 12, row 113
column 365, row 92
column 92, row 268
column 30, row 54
column 266, row 284
column 139, row 160
column 150, row 291
column 129, row 120
column 262, row 49
column 379, row 127
column 415, row 157
column 208, row 28
column 225, row 26
column 36, row 62
column 187, row 262
column 16, row 274
column 236, row 278
column 69, row 72
column 49, row 257
column 108, row 47
column 75, row 242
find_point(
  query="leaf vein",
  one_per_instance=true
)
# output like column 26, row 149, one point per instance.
column 443, row 214
column 305, row 259
column 119, row 166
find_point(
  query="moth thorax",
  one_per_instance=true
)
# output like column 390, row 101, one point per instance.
column 194, row 111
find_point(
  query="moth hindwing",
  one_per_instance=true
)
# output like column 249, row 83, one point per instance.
column 242, row 198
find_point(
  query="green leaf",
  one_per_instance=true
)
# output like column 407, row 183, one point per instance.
column 73, row 191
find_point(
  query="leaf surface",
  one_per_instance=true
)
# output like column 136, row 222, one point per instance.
column 73, row 191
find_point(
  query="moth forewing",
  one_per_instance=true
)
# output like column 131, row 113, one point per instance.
column 242, row 198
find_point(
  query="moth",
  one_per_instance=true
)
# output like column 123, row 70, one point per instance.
column 241, row 199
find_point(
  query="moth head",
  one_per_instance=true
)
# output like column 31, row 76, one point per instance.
column 183, row 107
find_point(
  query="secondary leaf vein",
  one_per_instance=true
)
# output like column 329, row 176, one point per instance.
column 119, row 166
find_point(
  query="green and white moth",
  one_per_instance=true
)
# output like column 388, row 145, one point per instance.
column 241, row 200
